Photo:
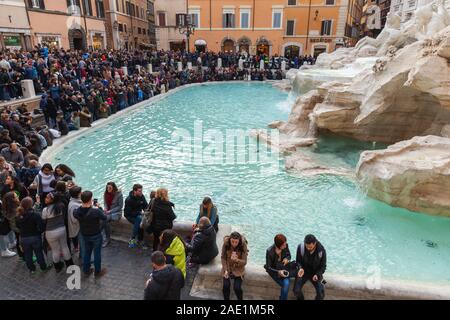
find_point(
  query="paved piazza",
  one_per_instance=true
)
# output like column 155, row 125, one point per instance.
column 127, row 273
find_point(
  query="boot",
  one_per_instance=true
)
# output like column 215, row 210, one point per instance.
column 58, row 266
column 69, row 262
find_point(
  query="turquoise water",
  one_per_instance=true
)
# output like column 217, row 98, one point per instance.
column 359, row 233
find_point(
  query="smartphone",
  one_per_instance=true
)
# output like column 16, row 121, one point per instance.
column 95, row 202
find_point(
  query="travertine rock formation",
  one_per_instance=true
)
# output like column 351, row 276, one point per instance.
column 413, row 174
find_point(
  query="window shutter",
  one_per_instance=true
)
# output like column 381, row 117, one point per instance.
column 232, row 20
column 224, row 20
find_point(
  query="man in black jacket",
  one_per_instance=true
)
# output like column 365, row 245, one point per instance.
column 135, row 204
column 165, row 281
column 312, row 263
column 203, row 246
column 91, row 221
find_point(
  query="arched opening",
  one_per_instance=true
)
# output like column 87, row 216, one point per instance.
column 263, row 47
column 291, row 51
column 228, row 46
column 77, row 39
column 200, row 45
column 244, row 44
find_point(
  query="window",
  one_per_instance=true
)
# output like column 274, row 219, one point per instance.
column 292, row 2
column 38, row 4
column 120, row 27
column 125, row 28
column 132, row 10
column 100, row 8
column 139, row 31
column 151, row 8
column 117, row 5
column 411, row 3
column 276, row 18
column 326, row 28
column 228, row 18
column 329, row 2
column 87, row 7
column 290, row 27
column 245, row 18
column 194, row 18
column 162, row 19
column 123, row 6
column 144, row 31
column 74, row 7
column 128, row 8
column 180, row 19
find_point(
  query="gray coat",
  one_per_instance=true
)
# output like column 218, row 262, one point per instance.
column 116, row 206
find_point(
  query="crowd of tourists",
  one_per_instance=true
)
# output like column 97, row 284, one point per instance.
column 47, row 218
column 53, row 217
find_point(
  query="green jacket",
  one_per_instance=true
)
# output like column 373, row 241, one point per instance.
column 177, row 253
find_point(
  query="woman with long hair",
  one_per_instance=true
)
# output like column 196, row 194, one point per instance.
column 113, row 202
column 163, row 215
column 12, row 183
column 10, row 203
column 234, row 260
column 43, row 183
column 55, row 230
column 31, row 227
column 174, row 249
column 63, row 173
column 208, row 209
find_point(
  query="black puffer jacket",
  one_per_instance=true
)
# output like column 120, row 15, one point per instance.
column 165, row 284
column 134, row 205
column 204, row 247
column 163, row 215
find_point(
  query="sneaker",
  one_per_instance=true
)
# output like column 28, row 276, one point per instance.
column 101, row 273
column 8, row 254
column 47, row 268
column 132, row 243
column 142, row 245
column 91, row 270
column 106, row 243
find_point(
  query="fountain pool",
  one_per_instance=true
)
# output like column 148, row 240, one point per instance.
column 360, row 234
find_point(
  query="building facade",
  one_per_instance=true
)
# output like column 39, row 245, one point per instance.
column 353, row 28
column 169, row 16
column 15, row 32
column 274, row 27
column 130, row 24
column 74, row 24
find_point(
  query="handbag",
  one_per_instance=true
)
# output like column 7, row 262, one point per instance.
column 4, row 226
column 147, row 218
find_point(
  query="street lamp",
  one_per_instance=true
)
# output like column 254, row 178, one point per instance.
column 187, row 28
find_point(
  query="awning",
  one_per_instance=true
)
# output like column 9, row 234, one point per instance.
column 200, row 42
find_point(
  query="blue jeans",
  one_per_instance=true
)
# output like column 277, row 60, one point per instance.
column 137, row 231
column 284, row 284
column 300, row 282
column 6, row 240
column 92, row 243
column 30, row 245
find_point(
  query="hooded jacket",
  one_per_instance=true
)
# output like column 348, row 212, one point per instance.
column 204, row 246
column 163, row 215
column 313, row 264
column 176, row 255
column 134, row 205
column 165, row 284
